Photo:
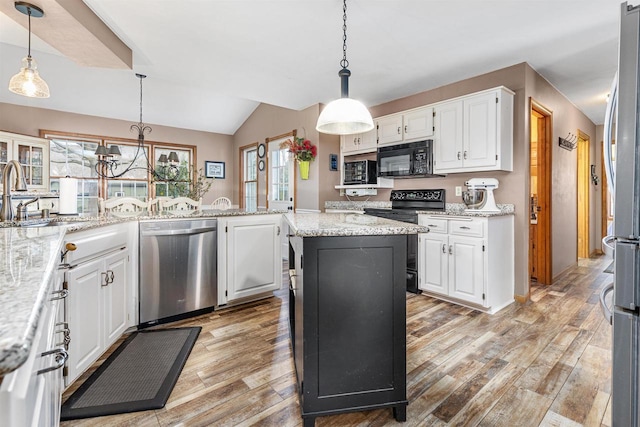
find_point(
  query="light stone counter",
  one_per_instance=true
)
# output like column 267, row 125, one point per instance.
column 346, row 224
column 30, row 256
column 459, row 209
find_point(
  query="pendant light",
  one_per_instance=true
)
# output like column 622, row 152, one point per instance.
column 28, row 81
column 108, row 158
column 344, row 116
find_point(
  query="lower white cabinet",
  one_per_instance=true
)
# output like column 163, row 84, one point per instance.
column 32, row 394
column 249, row 256
column 468, row 260
column 98, row 303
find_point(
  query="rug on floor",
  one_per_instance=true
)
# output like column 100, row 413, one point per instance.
column 139, row 375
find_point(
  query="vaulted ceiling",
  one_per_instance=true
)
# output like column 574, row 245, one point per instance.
column 210, row 63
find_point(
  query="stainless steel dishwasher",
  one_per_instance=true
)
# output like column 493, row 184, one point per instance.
column 178, row 269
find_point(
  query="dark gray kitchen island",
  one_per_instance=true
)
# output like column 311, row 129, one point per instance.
column 348, row 313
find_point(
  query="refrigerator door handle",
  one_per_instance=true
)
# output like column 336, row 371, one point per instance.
column 606, row 311
column 609, row 117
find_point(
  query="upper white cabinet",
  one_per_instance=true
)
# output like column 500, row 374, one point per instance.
column 249, row 256
column 359, row 143
column 410, row 125
column 33, row 155
column 474, row 132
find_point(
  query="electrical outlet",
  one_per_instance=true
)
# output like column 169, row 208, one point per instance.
column 458, row 191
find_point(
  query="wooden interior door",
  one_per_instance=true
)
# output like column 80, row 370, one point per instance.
column 583, row 195
column 540, row 194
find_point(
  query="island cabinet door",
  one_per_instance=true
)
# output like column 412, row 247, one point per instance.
column 354, row 324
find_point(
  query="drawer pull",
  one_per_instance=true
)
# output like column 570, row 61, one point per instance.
column 464, row 227
column 62, row 294
column 61, row 358
column 432, row 225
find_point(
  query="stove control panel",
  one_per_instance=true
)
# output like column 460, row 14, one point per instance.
column 418, row 195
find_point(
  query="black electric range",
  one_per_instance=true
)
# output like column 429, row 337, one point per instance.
column 405, row 205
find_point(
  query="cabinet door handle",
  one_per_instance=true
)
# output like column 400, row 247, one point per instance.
column 62, row 294
column 444, row 248
column 405, row 128
column 278, row 227
column 458, row 155
column 399, row 130
column 105, row 279
column 450, row 250
column 61, row 358
column 465, row 155
column 355, row 141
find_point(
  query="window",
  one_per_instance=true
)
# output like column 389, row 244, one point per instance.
column 250, row 178
column 280, row 175
column 74, row 156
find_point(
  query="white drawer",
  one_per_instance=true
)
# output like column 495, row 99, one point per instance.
column 436, row 225
column 96, row 242
column 472, row 228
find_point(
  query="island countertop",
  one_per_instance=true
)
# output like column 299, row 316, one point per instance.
column 347, row 224
column 30, row 256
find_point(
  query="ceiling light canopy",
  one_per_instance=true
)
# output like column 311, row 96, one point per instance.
column 344, row 116
column 28, row 81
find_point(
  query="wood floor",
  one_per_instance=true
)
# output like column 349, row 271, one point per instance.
column 544, row 363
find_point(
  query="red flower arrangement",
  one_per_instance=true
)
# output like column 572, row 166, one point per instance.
column 302, row 149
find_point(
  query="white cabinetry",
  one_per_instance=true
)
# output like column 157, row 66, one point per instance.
column 32, row 394
column 474, row 132
column 359, row 143
column 98, row 303
column 249, row 257
column 468, row 260
column 410, row 125
column 33, row 155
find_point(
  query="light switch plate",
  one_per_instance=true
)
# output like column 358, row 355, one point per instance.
column 458, row 191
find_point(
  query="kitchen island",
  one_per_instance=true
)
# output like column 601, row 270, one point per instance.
column 347, row 312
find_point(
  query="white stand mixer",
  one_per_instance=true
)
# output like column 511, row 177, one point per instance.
column 486, row 185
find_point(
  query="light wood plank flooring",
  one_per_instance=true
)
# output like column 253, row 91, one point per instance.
column 544, row 363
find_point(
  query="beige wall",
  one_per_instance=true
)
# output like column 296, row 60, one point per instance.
column 268, row 121
column 564, row 198
column 210, row 146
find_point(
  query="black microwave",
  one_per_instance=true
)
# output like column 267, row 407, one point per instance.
column 360, row 172
column 411, row 160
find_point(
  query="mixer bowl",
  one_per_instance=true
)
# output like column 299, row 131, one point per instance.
column 474, row 199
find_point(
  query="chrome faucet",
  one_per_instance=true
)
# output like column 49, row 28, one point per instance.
column 6, row 214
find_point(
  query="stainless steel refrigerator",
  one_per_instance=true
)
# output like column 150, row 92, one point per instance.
column 624, row 177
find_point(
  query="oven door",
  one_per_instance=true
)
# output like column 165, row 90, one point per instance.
column 395, row 161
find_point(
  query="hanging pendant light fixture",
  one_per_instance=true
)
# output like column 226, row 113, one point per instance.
column 344, row 116
column 28, row 81
column 108, row 158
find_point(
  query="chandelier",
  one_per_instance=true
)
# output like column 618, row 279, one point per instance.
column 109, row 162
column 28, row 81
column 344, row 116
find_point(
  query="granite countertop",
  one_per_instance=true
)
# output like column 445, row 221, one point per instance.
column 346, row 224
column 451, row 209
column 30, row 257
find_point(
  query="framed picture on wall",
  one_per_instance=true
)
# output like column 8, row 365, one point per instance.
column 214, row 169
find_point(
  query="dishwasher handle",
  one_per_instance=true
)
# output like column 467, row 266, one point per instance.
column 179, row 232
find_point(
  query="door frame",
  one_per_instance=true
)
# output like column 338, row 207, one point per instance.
column 583, row 186
column 544, row 225
column 291, row 134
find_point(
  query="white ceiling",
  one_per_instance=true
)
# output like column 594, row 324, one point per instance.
column 211, row 62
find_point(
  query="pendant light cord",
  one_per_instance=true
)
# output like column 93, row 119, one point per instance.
column 344, row 63
column 29, row 14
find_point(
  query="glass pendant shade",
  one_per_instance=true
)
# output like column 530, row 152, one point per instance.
column 344, row 116
column 28, row 81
